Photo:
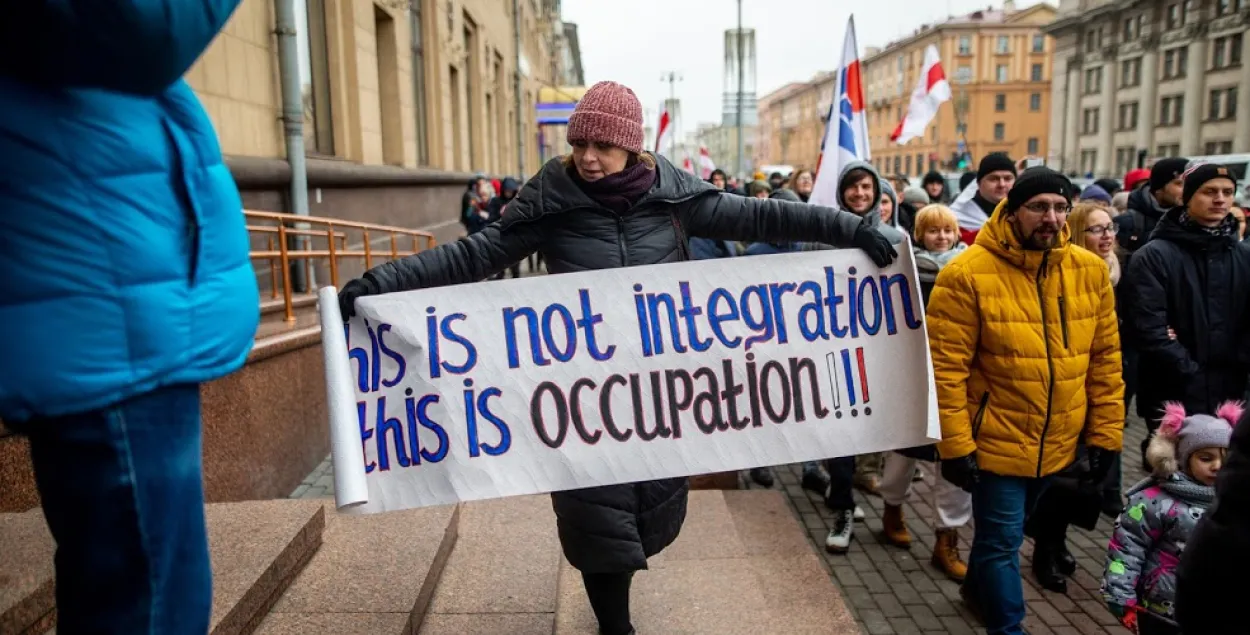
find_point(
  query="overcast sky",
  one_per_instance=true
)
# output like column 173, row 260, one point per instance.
column 638, row 41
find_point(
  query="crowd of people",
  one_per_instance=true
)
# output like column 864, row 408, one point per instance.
column 1044, row 320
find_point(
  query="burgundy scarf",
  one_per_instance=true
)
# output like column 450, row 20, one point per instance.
column 618, row 192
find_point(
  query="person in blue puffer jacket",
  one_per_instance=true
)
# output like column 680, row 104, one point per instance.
column 125, row 282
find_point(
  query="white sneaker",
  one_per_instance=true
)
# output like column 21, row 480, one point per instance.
column 839, row 538
column 859, row 513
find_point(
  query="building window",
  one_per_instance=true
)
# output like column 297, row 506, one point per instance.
column 1033, row 146
column 1035, row 102
column 1222, row 103
column 1130, row 73
column 907, row 165
column 1227, row 7
column 1170, row 110
column 1089, row 121
column 1168, row 150
column 965, row 45
column 1000, row 102
column 1039, row 43
column 1127, row 116
column 1089, row 158
column 1174, row 62
column 1000, row 73
column 919, row 163
column 1226, row 51
column 1218, row 147
column 1000, row 131
column 1175, row 16
column 314, row 67
column 1003, row 46
column 1093, row 81
column 473, row 89
column 1035, row 73
column 1125, row 159
column 418, row 82
column 1132, row 29
column 1093, row 40
column 898, row 164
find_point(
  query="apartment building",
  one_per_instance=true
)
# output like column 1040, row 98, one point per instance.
column 1148, row 78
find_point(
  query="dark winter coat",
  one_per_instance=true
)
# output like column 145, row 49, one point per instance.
column 613, row 528
column 1195, row 283
column 1217, row 555
column 1135, row 225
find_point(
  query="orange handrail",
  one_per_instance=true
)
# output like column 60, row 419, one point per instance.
column 333, row 232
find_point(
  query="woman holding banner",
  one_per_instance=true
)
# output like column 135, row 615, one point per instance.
column 611, row 205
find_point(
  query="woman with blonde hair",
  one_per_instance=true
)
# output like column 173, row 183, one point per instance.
column 610, row 205
column 1071, row 499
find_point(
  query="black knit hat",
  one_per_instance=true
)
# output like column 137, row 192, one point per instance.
column 965, row 179
column 994, row 162
column 1164, row 170
column 1199, row 174
column 1038, row 180
column 933, row 177
column 1110, row 186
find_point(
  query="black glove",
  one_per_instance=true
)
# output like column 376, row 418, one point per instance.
column 962, row 472
column 1100, row 463
column 877, row 247
column 357, row 288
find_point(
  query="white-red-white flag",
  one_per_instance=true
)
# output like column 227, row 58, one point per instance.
column 687, row 164
column 664, row 132
column 931, row 90
column 706, row 165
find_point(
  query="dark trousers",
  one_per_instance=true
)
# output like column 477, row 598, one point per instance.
column 515, row 269
column 123, row 497
column 841, row 483
column 1150, row 624
column 609, row 599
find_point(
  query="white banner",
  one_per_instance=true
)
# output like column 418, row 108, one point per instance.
column 549, row 383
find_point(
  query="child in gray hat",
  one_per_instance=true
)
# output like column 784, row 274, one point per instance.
column 1139, row 584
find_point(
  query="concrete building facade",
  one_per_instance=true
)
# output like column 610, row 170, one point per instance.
column 1138, row 79
column 403, row 99
column 791, row 123
column 998, row 64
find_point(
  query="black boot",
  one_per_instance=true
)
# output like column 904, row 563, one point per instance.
column 815, row 480
column 762, row 476
column 1046, row 570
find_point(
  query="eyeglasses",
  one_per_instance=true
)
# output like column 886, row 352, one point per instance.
column 1040, row 208
column 1101, row 230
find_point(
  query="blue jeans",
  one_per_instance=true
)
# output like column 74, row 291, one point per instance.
column 124, row 500
column 999, row 507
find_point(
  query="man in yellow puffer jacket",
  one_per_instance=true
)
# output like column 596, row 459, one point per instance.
column 1026, row 357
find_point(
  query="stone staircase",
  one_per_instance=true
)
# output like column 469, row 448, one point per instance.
column 743, row 564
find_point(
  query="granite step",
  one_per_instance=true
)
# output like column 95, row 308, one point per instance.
column 27, row 581
column 374, row 574
column 257, row 548
column 503, row 576
column 742, row 564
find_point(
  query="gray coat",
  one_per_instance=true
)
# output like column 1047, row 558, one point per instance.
column 613, row 528
column 1149, row 538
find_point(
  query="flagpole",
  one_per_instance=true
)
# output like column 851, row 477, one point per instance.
column 738, row 170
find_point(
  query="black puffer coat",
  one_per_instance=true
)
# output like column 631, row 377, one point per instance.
column 616, row 527
column 1135, row 225
column 1196, row 283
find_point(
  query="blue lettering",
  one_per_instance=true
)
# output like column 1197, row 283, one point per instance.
column 470, row 351
column 871, row 328
column 688, row 312
column 505, row 435
column 384, row 425
column 362, row 410
column 570, row 333
column 763, row 327
column 714, row 317
column 640, row 309
column 510, row 316
column 905, row 296
column 587, row 324
column 431, row 336
column 654, row 301
column 832, row 300
column 776, row 290
column 812, row 308
column 400, row 365
column 421, row 415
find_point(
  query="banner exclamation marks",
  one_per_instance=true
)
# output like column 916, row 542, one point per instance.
column 831, row 363
column 863, row 378
column 850, row 378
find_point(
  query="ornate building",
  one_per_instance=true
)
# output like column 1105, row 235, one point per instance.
column 1146, row 78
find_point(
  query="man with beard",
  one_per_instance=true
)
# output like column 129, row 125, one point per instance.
column 1026, row 357
column 1185, row 305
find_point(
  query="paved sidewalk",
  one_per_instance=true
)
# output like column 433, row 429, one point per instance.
column 895, row 591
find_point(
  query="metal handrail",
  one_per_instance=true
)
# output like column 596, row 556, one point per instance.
column 332, row 232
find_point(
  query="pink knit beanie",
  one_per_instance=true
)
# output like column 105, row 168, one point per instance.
column 608, row 113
